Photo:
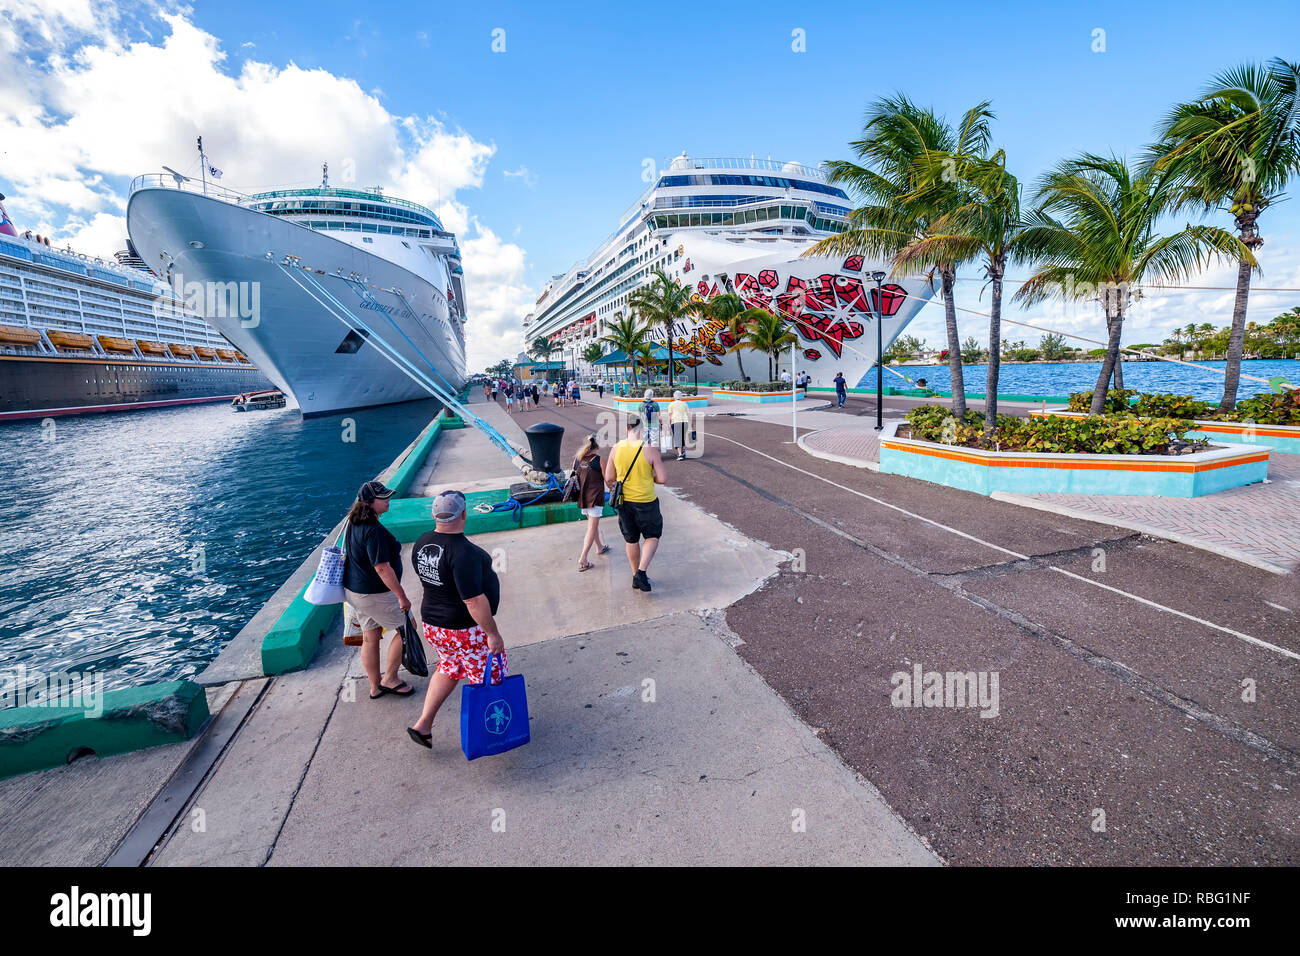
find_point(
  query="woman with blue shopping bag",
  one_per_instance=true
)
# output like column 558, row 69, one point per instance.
column 461, row 596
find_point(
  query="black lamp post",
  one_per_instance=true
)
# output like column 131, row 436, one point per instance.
column 879, row 277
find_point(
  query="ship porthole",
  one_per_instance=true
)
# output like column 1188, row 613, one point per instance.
column 195, row 244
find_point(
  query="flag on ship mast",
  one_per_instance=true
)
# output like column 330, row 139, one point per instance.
column 214, row 172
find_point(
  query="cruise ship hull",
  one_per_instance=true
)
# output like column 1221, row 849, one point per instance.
column 327, row 344
column 829, row 303
column 34, row 386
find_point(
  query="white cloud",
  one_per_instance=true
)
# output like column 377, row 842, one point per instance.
column 523, row 172
column 85, row 104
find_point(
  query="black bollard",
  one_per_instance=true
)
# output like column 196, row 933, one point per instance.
column 544, row 445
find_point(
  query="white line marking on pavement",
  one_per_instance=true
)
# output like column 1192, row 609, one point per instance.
column 1278, row 606
column 1022, row 557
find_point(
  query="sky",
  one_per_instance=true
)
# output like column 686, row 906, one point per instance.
column 527, row 127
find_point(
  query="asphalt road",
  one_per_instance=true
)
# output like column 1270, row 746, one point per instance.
column 1121, row 736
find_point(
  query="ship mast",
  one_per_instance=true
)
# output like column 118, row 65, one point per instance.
column 203, row 167
column 324, row 175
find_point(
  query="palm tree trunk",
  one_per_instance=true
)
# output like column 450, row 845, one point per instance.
column 995, row 353
column 1232, row 374
column 954, row 345
column 740, row 364
column 769, row 367
column 669, row 337
column 1119, row 368
column 1113, row 326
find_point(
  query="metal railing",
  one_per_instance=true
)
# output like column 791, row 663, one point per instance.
column 682, row 164
column 186, row 184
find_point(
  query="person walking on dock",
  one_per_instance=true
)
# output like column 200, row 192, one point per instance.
column 841, row 390
column 510, row 396
column 679, row 416
column 458, row 610
column 372, row 584
column 638, row 466
column 600, row 387
column 575, row 394
column 537, row 396
column 650, row 412
column 591, row 498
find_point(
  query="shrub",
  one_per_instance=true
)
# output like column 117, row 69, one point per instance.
column 663, row 391
column 1117, row 400
column 1167, row 405
column 755, row 386
column 1282, row 408
column 1095, row 434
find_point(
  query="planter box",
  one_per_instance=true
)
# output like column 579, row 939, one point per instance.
column 692, row 401
column 1280, row 438
column 984, row 472
column 760, row 397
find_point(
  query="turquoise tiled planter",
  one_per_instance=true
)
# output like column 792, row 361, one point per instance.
column 984, row 472
column 762, row 398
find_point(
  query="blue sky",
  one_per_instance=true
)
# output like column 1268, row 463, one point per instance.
column 583, row 93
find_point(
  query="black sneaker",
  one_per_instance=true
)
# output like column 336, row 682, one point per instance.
column 640, row 581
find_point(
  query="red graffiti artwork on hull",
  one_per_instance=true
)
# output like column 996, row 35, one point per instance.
column 817, row 307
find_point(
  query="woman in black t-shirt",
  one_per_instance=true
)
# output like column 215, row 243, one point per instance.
column 372, row 584
column 458, row 612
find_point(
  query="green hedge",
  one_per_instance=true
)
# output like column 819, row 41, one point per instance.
column 664, row 391
column 1096, row 434
column 1264, row 408
column 735, row 386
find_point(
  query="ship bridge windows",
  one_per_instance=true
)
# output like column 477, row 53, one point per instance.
column 776, row 182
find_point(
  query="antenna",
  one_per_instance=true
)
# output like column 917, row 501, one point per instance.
column 177, row 176
column 324, row 175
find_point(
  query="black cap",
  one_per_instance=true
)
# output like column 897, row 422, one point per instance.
column 372, row 490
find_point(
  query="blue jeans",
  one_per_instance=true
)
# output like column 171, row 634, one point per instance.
column 840, row 397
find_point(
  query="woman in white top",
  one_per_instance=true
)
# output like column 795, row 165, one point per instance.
column 679, row 414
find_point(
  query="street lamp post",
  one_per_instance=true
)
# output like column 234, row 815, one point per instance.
column 879, row 277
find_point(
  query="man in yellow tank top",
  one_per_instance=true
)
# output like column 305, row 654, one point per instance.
column 640, row 468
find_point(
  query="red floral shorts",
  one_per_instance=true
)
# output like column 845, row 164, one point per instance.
column 463, row 653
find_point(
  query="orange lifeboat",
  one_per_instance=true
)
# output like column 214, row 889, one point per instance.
column 13, row 335
column 70, row 341
column 226, row 355
column 111, row 343
column 151, row 348
column 241, row 356
column 182, row 351
column 203, row 352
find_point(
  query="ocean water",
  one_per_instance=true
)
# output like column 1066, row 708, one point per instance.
column 1062, row 378
column 136, row 544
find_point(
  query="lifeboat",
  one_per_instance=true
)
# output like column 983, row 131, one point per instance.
column 258, row 401
column 204, row 352
column 226, row 355
column 13, row 335
column 182, row 351
column 70, row 341
column 151, row 348
column 241, row 356
column 111, row 343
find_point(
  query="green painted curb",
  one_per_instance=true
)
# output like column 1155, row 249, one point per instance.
column 408, row 518
column 294, row 638
column 34, row 737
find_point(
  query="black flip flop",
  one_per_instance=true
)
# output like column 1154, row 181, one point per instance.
column 394, row 691
column 424, row 740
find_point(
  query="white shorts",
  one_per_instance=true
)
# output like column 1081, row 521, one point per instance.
column 593, row 512
column 374, row 611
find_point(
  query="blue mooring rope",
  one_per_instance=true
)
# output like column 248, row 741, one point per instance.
column 516, row 507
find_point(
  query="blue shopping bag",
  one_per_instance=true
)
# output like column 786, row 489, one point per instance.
column 493, row 717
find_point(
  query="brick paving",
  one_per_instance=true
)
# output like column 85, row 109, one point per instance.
column 1259, row 523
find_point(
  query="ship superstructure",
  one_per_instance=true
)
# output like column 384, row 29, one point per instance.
column 741, row 226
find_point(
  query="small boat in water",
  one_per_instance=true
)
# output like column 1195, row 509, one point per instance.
column 257, row 401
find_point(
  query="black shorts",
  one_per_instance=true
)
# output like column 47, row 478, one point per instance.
column 638, row 519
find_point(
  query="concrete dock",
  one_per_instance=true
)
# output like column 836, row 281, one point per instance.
column 741, row 713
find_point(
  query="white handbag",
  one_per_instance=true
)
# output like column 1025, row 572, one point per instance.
column 327, row 586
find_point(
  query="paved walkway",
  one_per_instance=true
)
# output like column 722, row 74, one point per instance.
column 1256, row 524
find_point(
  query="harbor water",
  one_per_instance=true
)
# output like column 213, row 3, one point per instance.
column 137, row 544
column 1062, row 378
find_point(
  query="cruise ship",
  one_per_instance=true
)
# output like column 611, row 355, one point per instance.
column 83, row 334
column 347, row 298
column 739, row 226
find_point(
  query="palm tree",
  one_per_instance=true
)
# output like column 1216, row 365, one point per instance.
column 986, row 225
column 767, row 333
column 662, row 303
column 1237, row 144
column 625, row 334
column 728, row 309
column 591, row 353
column 897, row 138
column 1104, row 244
column 542, row 349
